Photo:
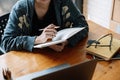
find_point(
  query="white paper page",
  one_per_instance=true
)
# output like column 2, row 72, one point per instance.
column 66, row 33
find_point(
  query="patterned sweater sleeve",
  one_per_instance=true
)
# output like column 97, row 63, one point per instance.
column 76, row 20
column 16, row 34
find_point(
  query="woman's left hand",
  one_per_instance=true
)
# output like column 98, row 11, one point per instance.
column 58, row 47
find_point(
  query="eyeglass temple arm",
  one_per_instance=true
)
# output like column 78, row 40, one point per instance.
column 103, row 37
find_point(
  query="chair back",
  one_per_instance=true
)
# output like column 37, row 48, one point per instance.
column 3, row 21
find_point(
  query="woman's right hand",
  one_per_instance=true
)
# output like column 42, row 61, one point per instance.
column 48, row 33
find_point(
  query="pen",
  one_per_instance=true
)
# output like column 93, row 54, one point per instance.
column 54, row 27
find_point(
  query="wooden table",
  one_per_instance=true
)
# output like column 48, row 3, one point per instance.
column 21, row 62
column 105, row 70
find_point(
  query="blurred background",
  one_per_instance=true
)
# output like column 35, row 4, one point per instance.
column 6, row 5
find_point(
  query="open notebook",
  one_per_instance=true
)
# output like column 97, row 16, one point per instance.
column 61, row 36
column 81, row 71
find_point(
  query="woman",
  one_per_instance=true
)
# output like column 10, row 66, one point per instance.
column 28, row 16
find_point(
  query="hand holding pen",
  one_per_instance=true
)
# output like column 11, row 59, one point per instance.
column 48, row 33
column 6, row 74
column 54, row 27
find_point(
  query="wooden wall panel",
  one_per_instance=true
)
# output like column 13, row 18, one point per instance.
column 115, row 17
column 116, row 11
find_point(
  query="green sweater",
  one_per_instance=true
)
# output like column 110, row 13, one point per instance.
column 17, row 34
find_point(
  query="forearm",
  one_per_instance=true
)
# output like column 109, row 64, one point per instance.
column 77, row 38
column 78, row 21
column 18, row 43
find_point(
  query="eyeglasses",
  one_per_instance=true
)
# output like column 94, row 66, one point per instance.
column 97, row 42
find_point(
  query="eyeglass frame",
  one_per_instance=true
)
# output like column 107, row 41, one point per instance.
column 98, row 42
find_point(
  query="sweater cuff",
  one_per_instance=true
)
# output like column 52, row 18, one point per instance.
column 29, row 43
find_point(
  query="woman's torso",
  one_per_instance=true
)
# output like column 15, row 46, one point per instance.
column 43, row 19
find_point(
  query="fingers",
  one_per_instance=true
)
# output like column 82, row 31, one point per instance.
column 50, row 31
column 48, row 34
column 6, row 74
column 57, row 48
column 52, row 26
